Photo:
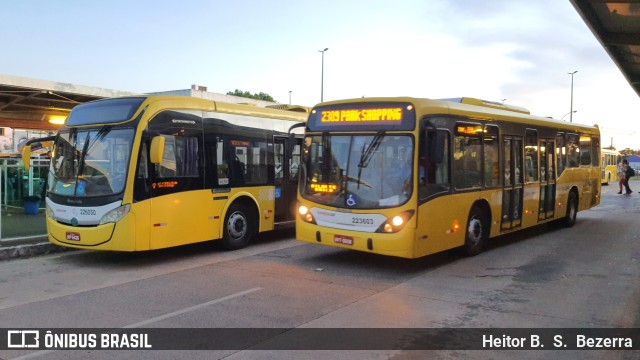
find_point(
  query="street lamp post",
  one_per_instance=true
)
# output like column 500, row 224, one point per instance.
column 565, row 115
column 289, row 97
column 322, row 76
column 571, row 112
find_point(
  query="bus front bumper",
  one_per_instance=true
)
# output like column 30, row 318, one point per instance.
column 110, row 236
column 398, row 244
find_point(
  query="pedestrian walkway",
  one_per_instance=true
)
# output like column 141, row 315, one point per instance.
column 23, row 235
column 16, row 224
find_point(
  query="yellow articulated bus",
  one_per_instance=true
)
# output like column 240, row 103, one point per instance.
column 410, row 177
column 151, row 172
column 609, row 160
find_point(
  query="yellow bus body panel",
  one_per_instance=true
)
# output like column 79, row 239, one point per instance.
column 103, row 237
column 167, row 221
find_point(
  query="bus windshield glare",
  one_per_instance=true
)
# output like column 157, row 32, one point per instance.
column 90, row 162
column 358, row 171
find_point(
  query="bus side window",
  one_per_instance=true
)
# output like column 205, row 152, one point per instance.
column 467, row 165
column 433, row 163
column 561, row 153
column 595, row 151
column 573, row 150
column 143, row 170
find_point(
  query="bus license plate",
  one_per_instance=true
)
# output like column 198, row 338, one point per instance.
column 346, row 240
column 74, row 236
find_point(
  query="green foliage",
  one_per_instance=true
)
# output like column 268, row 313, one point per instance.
column 628, row 152
column 246, row 94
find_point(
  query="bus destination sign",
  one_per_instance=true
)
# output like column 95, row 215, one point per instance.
column 361, row 115
column 365, row 116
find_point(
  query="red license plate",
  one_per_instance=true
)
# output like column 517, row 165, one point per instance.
column 340, row 239
column 74, row 236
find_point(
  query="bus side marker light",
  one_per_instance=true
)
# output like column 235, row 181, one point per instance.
column 455, row 226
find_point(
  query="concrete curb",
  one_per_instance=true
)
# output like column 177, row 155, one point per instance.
column 28, row 250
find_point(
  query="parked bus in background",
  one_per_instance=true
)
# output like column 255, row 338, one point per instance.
column 410, row 177
column 609, row 160
column 151, row 172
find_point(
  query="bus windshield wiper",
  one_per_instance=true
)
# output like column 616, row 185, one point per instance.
column 88, row 144
column 85, row 148
column 367, row 154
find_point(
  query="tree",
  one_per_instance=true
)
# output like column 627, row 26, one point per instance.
column 628, row 152
column 246, row 94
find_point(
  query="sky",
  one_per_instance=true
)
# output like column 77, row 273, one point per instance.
column 518, row 50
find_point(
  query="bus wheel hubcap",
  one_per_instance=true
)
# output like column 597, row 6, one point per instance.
column 237, row 225
column 474, row 231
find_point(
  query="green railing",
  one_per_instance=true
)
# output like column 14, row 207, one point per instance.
column 22, row 198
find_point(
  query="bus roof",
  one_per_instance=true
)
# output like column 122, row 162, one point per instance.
column 475, row 109
column 288, row 112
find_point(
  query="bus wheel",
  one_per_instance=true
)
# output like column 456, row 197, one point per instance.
column 477, row 232
column 238, row 227
column 572, row 210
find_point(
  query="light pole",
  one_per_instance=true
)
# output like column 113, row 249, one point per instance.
column 571, row 112
column 289, row 97
column 503, row 100
column 565, row 115
column 322, row 76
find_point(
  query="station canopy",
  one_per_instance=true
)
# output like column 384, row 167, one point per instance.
column 616, row 24
column 43, row 105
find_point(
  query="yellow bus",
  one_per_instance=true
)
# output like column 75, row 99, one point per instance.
column 409, row 177
column 150, row 172
column 609, row 160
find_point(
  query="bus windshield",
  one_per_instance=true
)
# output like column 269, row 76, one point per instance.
column 90, row 162
column 358, row 171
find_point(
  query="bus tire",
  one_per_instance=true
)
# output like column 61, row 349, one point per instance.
column 572, row 210
column 239, row 227
column 477, row 232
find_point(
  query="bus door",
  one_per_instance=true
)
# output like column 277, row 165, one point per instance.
column 176, row 205
column 286, row 178
column 547, row 179
column 512, row 182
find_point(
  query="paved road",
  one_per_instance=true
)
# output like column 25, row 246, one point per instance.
column 587, row 276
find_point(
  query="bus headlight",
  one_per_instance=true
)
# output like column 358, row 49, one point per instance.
column 115, row 215
column 305, row 214
column 396, row 223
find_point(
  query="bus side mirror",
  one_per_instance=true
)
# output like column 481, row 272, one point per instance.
column 26, row 157
column 157, row 149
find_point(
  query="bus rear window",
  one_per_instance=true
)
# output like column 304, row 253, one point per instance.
column 104, row 111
